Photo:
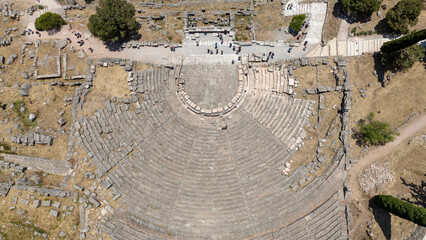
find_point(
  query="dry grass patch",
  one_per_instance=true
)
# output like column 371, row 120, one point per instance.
column 48, row 114
column 407, row 168
column 109, row 81
column 403, row 97
column 307, row 153
column 241, row 26
column 75, row 65
column 268, row 20
column 331, row 26
column 22, row 225
column 80, row 18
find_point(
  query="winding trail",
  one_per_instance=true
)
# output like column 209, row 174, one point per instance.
column 406, row 132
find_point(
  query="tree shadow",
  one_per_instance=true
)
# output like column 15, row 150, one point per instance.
column 118, row 45
column 338, row 12
column 382, row 217
column 379, row 68
column 383, row 29
column 54, row 31
column 357, row 135
column 418, row 192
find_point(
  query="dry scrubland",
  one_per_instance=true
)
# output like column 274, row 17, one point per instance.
column 394, row 104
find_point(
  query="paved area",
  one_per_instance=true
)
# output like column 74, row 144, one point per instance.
column 210, row 86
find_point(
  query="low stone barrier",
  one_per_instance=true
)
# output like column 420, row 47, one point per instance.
column 34, row 163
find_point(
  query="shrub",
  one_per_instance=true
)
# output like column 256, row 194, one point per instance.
column 114, row 20
column 404, row 41
column 48, row 21
column 375, row 132
column 297, row 21
column 360, row 8
column 403, row 59
column 404, row 13
column 402, row 209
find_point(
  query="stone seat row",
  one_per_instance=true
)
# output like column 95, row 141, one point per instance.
column 150, row 80
column 283, row 116
column 271, row 80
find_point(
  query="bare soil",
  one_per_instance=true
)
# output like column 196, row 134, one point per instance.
column 268, row 20
column 332, row 23
column 109, row 81
column 408, row 168
column 22, row 225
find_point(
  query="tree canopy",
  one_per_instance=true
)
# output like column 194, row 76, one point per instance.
column 402, row 209
column 360, row 8
column 375, row 132
column 405, row 13
column 403, row 59
column 114, row 20
column 404, row 41
column 48, row 21
column 297, row 21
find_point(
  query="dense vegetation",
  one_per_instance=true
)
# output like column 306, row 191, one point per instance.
column 88, row 1
column 360, row 8
column 404, row 41
column 48, row 21
column 375, row 132
column 113, row 21
column 402, row 209
column 403, row 59
column 403, row 14
column 296, row 22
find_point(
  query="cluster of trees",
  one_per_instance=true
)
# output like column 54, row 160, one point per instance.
column 48, row 21
column 297, row 21
column 375, row 132
column 402, row 209
column 405, row 13
column 360, row 8
column 401, row 54
column 113, row 21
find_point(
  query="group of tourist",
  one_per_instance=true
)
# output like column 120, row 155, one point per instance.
column 29, row 31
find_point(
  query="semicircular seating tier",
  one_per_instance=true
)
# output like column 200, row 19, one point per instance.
column 179, row 175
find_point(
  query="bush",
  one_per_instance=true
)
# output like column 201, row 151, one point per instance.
column 88, row 1
column 404, row 41
column 48, row 21
column 375, row 132
column 403, row 59
column 114, row 20
column 297, row 21
column 404, row 13
column 360, row 8
column 402, row 209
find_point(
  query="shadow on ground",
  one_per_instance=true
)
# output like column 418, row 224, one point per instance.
column 383, row 218
column 418, row 193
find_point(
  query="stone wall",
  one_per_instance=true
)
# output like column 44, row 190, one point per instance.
column 41, row 164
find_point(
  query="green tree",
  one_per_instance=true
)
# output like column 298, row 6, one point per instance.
column 403, row 59
column 375, row 132
column 360, row 8
column 48, row 21
column 114, row 20
column 402, row 209
column 404, row 13
column 297, row 21
column 404, row 41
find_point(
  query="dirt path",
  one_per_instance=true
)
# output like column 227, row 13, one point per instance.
column 378, row 153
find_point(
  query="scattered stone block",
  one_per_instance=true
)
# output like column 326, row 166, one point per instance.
column 54, row 213
column 45, row 203
column 36, row 203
